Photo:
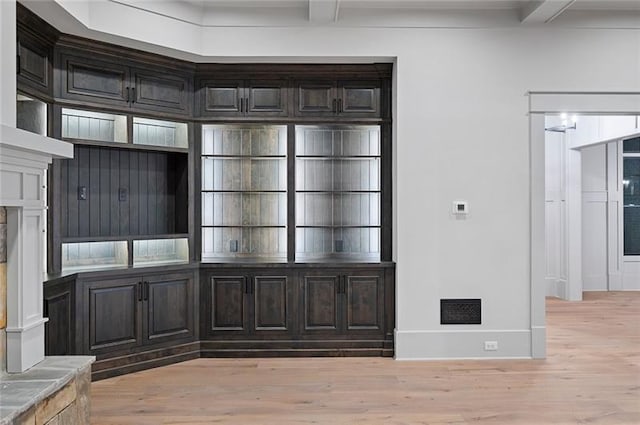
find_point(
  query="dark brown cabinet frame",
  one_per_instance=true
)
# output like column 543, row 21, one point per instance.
column 135, row 318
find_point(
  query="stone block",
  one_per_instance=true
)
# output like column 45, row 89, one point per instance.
column 69, row 416
column 3, row 243
column 83, row 397
column 3, row 295
column 53, row 405
column 54, row 421
column 27, row 418
column 3, row 353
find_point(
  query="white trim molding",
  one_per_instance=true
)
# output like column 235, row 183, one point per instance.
column 548, row 102
column 24, row 157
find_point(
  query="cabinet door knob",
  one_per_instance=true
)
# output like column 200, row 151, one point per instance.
column 339, row 105
column 139, row 290
column 133, row 95
column 146, row 290
column 334, row 108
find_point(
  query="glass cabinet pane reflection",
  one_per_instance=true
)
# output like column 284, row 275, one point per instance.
column 244, row 192
column 338, row 193
column 631, row 205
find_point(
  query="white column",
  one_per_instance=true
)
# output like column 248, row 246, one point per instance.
column 574, row 225
column 25, row 324
column 24, row 158
column 537, row 235
column 615, row 235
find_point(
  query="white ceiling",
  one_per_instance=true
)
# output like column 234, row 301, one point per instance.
column 392, row 13
column 185, row 23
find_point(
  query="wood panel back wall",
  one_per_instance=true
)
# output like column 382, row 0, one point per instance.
column 127, row 193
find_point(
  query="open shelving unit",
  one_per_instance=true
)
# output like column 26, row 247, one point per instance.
column 124, row 194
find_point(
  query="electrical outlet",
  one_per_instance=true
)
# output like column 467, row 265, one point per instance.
column 233, row 245
column 491, row 346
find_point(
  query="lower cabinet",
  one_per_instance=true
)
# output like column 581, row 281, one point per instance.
column 136, row 319
column 138, row 310
column 112, row 314
column 297, row 310
column 248, row 303
column 340, row 302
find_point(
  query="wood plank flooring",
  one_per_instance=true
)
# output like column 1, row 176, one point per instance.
column 591, row 376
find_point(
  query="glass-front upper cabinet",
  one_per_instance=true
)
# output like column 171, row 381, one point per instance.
column 338, row 193
column 244, row 192
column 631, row 195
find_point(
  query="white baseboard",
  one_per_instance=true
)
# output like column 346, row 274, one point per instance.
column 462, row 344
column 538, row 342
column 24, row 347
column 594, row 282
column 615, row 281
column 556, row 288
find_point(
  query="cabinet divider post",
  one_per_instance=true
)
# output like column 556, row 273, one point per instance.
column 291, row 193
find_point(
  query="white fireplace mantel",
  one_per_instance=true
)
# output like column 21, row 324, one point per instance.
column 24, row 158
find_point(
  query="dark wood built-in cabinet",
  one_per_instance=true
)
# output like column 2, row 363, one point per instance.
column 256, row 303
column 34, row 61
column 121, row 313
column 302, row 309
column 237, row 98
column 97, row 79
column 355, row 98
column 210, row 209
column 342, row 302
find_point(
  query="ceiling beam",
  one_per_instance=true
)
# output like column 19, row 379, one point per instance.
column 323, row 11
column 543, row 11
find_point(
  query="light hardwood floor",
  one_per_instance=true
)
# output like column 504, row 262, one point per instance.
column 591, row 376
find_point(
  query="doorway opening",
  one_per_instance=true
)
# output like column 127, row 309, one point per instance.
column 590, row 214
column 551, row 105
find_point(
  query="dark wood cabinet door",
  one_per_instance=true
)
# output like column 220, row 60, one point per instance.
column 316, row 98
column 95, row 81
column 321, row 304
column 161, row 92
column 266, row 98
column 271, row 303
column 34, row 66
column 59, row 331
column 359, row 99
column 364, row 302
column 169, row 307
column 227, row 305
column 113, row 316
column 222, row 98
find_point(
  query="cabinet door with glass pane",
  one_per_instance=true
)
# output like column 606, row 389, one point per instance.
column 631, row 196
column 244, row 198
column 338, row 193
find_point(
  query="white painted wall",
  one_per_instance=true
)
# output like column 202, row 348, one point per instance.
column 7, row 76
column 461, row 131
